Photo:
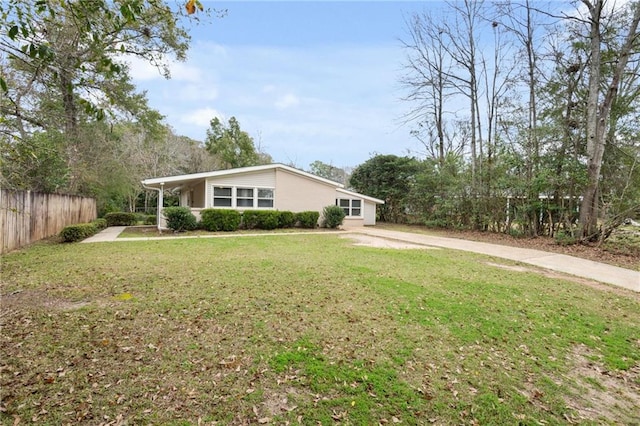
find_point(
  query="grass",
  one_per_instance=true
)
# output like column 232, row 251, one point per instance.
column 306, row 329
column 152, row 232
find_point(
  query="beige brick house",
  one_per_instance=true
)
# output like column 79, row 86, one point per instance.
column 267, row 187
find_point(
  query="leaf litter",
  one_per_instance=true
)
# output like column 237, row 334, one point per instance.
column 199, row 352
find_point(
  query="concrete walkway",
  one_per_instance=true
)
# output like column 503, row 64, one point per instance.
column 584, row 268
column 107, row 234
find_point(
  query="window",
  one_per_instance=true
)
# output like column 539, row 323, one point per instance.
column 355, row 207
column 345, row 204
column 221, row 196
column 265, row 198
column 244, row 197
column 349, row 206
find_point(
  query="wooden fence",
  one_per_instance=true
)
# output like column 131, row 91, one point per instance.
column 27, row 216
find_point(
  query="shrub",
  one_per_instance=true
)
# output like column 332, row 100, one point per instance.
column 308, row 219
column 286, row 219
column 565, row 238
column 250, row 219
column 436, row 223
column 517, row 233
column 261, row 219
column 140, row 218
column 150, row 219
column 120, row 219
column 332, row 216
column 78, row 232
column 100, row 223
column 220, row 220
column 268, row 219
column 180, row 219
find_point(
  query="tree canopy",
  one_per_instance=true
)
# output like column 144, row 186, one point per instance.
column 329, row 171
column 72, row 121
column 232, row 145
column 389, row 178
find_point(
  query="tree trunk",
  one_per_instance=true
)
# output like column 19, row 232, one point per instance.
column 598, row 117
column 70, row 128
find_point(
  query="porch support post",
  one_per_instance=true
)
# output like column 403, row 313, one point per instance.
column 160, row 205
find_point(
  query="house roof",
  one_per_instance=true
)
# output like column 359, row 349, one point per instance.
column 169, row 182
column 359, row 195
column 175, row 181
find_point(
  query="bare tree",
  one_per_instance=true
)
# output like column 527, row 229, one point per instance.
column 520, row 20
column 428, row 68
column 498, row 81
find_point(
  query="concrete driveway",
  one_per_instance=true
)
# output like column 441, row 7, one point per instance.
column 583, row 268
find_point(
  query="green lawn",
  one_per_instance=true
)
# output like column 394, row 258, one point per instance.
column 306, row 329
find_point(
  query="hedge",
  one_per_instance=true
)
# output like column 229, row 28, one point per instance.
column 308, row 219
column 261, row 219
column 332, row 216
column 286, row 219
column 78, row 232
column 220, row 220
column 180, row 219
column 250, row 219
column 121, row 219
column 269, row 219
column 101, row 223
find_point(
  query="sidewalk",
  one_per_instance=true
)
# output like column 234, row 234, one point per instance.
column 107, row 234
column 584, row 268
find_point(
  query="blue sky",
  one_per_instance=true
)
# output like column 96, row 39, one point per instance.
column 307, row 80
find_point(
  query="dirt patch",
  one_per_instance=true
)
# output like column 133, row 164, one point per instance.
column 36, row 299
column 512, row 267
column 599, row 394
column 370, row 241
column 278, row 402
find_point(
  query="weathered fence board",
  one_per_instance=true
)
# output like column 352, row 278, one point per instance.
column 27, row 216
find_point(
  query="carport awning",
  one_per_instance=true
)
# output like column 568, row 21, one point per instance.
column 170, row 183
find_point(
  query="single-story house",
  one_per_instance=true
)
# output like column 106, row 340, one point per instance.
column 266, row 187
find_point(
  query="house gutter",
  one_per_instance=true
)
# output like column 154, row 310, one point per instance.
column 160, row 202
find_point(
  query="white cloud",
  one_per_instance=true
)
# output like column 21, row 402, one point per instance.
column 181, row 71
column 200, row 117
column 142, row 70
column 211, row 48
column 287, row 101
